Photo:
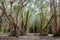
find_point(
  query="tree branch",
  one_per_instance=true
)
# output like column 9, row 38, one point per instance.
column 19, row 8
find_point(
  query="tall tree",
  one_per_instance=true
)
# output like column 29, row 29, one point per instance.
column 25, row 26
column 41, row 16
column 14, row 26
column 53, row 12
column 59, row 13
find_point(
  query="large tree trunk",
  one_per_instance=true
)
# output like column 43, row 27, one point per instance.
column 53, row 11
column 54, row 19
column 58, row 33
column 25, row 26
column 42, row 19
column 13, row 26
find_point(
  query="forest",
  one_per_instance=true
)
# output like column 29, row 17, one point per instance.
column 30, row 17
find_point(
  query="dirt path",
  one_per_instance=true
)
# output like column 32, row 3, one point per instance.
column 3, row 37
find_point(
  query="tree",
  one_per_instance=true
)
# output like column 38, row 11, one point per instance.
column 41, row 18
column 53, row 11
column 59, row 13
column 14, row 26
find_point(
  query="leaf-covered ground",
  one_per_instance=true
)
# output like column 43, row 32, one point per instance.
column 5, row 37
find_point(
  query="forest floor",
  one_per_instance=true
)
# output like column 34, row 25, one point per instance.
column 5, row 37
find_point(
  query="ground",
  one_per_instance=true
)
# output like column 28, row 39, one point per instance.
column 5, row 37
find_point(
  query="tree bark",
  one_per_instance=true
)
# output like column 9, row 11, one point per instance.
column 41, row 17
column 53, row 12
column 59, row 13
column 14, row 26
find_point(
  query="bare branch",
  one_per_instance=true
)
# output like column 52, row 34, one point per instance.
column 4, row 12
column 23, row 4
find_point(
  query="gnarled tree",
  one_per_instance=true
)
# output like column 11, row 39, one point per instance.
column 13, row 24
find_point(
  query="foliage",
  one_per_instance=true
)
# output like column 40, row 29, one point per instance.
column 35, row 14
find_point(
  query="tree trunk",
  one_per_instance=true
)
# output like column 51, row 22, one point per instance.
column 25, row 26
column 13, row 26
column 41, row 18
column 53, row 11
column 59, row 13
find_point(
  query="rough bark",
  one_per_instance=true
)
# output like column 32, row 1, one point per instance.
column 14, row 26
column 59, row 13
column 41, row 17
column 53, row 12
column 25, row 26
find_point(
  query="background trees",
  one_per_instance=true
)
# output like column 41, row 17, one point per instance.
column 23, row 15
